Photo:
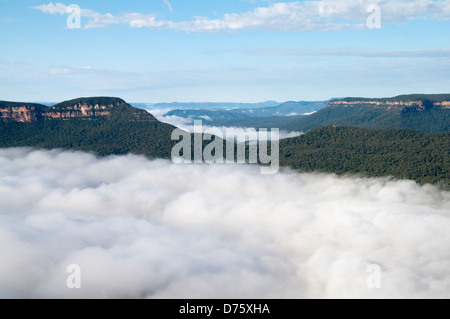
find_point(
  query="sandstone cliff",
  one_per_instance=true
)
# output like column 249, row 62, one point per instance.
column 82, row 108
column 404, row 103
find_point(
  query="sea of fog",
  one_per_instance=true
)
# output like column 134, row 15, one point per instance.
column 152, row 229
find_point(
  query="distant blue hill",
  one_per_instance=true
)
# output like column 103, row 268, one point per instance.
column 287, row 109
column 214, row 105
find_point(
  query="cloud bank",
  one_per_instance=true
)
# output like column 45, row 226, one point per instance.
column 187, row 124
column 298, row 16
column 152, row 229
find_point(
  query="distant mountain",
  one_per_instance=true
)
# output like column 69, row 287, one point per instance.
column 403, row 154
column 214, row 105
column 297, row 108
column 423, row 113
column 208, row 115
column 102, row 124
column 245, row 115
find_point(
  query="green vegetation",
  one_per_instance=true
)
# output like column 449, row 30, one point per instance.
column 248, row 116
column 366, row 116
column 101, row 100
column 400, row 153
column 424, row 158
column 103, row 136
column 7, row 105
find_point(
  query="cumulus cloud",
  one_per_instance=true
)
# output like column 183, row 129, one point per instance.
column 152, row 229
column 299, row 16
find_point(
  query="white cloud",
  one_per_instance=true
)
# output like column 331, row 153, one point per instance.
column 53, row 8
column 330, row 15
column 169, row 5
column 69, row 70
column 95, row 19
column 186, row 124
column 141, row 228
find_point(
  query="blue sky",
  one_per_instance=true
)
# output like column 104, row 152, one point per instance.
column 223, row 50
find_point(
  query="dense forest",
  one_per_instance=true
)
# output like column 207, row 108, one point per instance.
column 407, row 154
column 402, row 154
column 102, row 136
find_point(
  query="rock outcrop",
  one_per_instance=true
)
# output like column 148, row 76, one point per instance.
column 407, row 102
column 82, row 108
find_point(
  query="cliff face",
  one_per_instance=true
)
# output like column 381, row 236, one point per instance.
column 391, row 104
column 19, row 113
column 83, row 108
column 78, row 110
column 404, row 103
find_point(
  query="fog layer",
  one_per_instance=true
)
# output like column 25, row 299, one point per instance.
column 153, row 229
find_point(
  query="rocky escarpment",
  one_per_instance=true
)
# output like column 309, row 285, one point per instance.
column 82, row 108
column 420, row 112
column 405, row 103
column 20, row 112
